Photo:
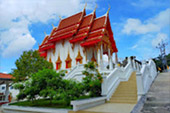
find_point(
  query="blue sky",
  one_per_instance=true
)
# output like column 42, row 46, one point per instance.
column 138, row 25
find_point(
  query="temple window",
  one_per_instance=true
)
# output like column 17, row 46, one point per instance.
column 58, row 63
column 79, row 58
column 68, row 61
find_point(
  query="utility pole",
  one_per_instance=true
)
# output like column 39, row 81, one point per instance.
column 162, row 46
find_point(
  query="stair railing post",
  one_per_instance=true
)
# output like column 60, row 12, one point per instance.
column 104, row 86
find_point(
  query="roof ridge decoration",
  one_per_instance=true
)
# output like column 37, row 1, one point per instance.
column 85, row 6
column 107, row 11
column 53, row 26
column 95, row 9
column 45, row 34
column 60, row 17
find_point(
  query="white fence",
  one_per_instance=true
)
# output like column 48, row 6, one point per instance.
column 146, row 73
column 145, row 77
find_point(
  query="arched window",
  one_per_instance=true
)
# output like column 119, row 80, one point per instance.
column 68, row 61
column 79, row 58
column 58, row 63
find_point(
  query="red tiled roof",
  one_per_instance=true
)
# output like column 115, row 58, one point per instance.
column 70, row 21
column 98, row 23
column 5, row 76
column 81, row 27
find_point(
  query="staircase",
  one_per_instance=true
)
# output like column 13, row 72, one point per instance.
column 126, row 92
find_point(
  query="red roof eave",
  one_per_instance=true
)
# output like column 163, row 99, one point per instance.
column 52, row 46
column 89, row 43
column 77, row 39
column 6, row 76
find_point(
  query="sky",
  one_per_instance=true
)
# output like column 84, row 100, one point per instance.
column 138, row 25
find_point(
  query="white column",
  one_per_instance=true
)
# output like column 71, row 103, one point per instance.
column 129, row 60
column 98, row 57
column 110, row 60
column 7, row 91
column 101, row 57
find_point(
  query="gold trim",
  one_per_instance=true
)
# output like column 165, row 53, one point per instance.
column 93, row 58
column 58, row 62
column 72, row 46
column 68, row 60
column 79, row 57
column 50, row 60
column 63, row 43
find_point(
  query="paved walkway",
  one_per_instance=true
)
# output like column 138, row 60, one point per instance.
column 109, row 108
column 158, row 97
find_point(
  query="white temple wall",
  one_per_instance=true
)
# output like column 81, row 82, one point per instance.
column 63, row 51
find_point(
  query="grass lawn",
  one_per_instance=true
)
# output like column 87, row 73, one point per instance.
column 46, row 103
column 43, row 103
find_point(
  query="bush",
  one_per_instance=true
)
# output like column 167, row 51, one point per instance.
column 92, row 80
column 49, row 85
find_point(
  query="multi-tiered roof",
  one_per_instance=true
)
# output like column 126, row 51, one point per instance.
column 86, row 29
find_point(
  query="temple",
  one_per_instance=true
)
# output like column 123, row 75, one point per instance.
column 79, row 39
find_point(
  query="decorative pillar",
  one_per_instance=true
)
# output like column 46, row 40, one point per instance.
column 98, row 57
column 116, row 58
column 110, row 60
column 7, row 91
column 101, row 57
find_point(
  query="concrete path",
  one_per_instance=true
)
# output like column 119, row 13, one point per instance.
column 158, row 97
column 109, row 108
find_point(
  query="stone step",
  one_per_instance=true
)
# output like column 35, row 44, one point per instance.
column 123, row 101
column 125, row 91
column 116, row 96
column 123, row 98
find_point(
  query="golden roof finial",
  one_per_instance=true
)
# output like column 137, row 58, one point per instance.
column 60, row 17
column 45, row 33
column 95, row 8
column 53, row 25
column 85, row 6
column 108, row 10
column 58, row 53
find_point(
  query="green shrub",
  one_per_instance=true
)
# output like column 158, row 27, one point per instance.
column 92, row 80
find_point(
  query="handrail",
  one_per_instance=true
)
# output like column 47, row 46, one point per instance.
column 146, row 76
column 73, row 72
column 111, row 82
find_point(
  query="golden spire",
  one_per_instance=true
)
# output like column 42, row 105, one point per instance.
column 53, row 26
column 108, row 10
column 85, row 6
column 95, row 8
column 45, row 33
column 58, row 53
column 60, row 17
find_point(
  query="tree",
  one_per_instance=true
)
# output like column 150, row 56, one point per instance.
column 29, row 63
column 92, row 80
column 48, row 82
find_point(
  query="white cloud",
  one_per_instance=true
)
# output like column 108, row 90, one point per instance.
column 159, row 38
column 17, row 15
column 22, row 43
column 134, row 47
column 135, row 26
column 154, row 24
